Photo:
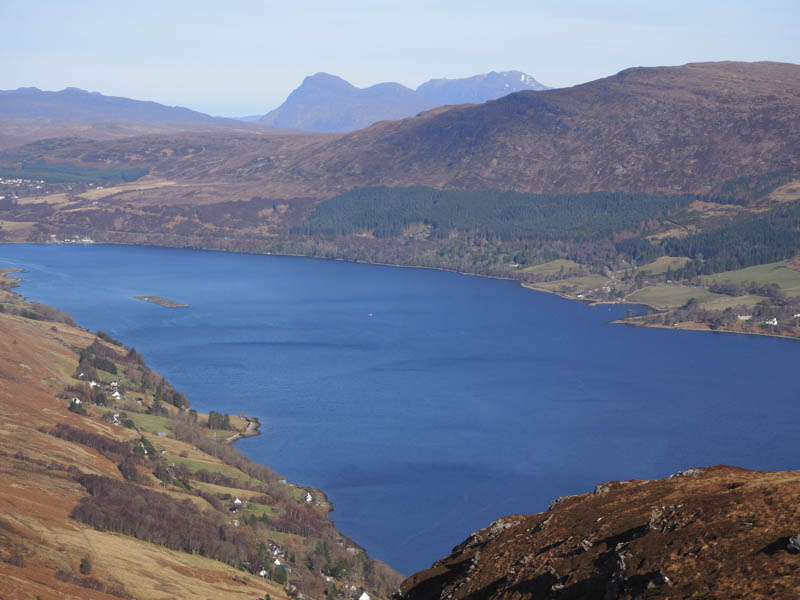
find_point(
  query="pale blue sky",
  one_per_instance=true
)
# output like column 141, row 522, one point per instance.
column 239, row 57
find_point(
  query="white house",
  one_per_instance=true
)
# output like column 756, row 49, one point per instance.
column 92, row 383
column 364, row 596
column 277, row 563
column 263, row 572
column 744, row 317
column 309, row 498
column 237, row 502
column 773, row 321
column 76, row 400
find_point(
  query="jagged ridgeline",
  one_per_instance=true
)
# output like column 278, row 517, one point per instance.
column 386, row 212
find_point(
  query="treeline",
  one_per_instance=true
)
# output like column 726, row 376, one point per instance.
column 98, row 356
column 217, row 478
column 732, row 288
column 157, row 518
column 218, row 420
column 764, row 238
column 36, row 312
column 386, row 211
column 108, row 447
column 166, row 393
column 747, row 189
column 66, row 173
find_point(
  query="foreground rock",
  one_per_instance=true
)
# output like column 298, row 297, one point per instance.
column 721, row 532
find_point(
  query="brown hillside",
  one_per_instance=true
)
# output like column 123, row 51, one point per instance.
column 37, row 495
column 661, row 129
column 668, row 129
column 74, row 487
column 720, row 532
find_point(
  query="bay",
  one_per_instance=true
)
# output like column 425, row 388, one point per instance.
column 427, row 404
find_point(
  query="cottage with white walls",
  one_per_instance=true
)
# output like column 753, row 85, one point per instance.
column 364, row 596
column 237, row 502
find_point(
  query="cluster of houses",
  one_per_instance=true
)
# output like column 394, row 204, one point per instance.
column 112, row 388
column 113, row 391
column 278, row 558
column 19, row 182
column 75, row 239
column 606, row 289
column 773, row 321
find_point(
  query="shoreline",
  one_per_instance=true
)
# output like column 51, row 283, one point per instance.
column 525, row 284
column 320, row 499
column 706, row 329
column 253, row 429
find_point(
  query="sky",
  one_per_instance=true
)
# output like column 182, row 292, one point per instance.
column 243, row 57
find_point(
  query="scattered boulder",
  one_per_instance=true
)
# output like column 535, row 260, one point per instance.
column 794, row 543
column 688, row 473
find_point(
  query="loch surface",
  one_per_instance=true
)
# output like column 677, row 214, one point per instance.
column 427, row 404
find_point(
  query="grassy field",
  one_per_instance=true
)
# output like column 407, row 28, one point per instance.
column 149, row 423
column 97, row 194
column 553, row 267
column 671, row 295
column 786, row 193
column 256, row 509
column 57, row 199
column 777, row 272
column 586, row 282
column 731, row 301
column 662, row 263
column 214, row 467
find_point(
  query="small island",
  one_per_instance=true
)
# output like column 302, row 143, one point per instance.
column 165, row 302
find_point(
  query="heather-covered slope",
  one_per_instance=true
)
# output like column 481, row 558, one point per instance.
column 662, row 129
column 721, row 532
column 126, row 493
column 665, row 129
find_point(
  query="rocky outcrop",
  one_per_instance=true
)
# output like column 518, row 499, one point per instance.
column 721, row 532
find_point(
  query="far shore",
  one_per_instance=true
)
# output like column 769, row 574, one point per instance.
column 525, row 284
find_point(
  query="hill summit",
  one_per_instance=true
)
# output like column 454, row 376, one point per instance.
column 327, row 103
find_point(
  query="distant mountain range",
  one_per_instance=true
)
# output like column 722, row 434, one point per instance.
column 73, row 105
column 683, row 129
column 327, row 103
column 28, row 114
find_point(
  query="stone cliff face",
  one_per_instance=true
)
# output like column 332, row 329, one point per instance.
column 721, row 532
